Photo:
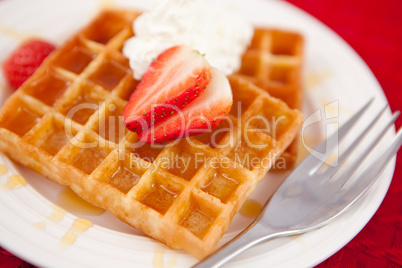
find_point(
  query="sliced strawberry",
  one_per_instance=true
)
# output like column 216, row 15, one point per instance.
column 202, row 114
column 23, row 62
column 176, row 78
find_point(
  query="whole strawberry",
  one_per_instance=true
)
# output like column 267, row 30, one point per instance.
column 24, row 61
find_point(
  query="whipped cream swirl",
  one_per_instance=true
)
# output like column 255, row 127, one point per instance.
column 220, row 32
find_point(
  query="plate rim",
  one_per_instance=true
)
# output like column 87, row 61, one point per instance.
column 357, row 59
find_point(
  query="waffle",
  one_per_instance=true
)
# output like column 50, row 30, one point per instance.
column 64, row 123
column 273, row 62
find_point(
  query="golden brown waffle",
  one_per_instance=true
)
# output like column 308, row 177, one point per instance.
column 64, row 123
column 273, row 62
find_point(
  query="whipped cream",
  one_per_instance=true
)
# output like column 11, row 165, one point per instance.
column 220, row 32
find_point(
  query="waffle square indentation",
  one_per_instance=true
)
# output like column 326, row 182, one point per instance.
column 21, row 120
column 124, row 178
column 48, row 88
column 285, row 43
column 81, row 107
column 102, row 32
column 76, row 59
column 55, row 137
column 109, row 74
column 161, row 193
column 221, row 185
column 198, row 217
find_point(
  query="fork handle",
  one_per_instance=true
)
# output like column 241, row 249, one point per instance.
column 246, row 239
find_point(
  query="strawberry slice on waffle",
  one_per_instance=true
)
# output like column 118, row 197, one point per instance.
column 180, row 95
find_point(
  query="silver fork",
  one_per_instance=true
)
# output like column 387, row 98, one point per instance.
column 309, row 199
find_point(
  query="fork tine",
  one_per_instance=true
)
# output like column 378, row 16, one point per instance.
column 331, row 170
column 352, row 169
column 370, row 175
column 311, row 163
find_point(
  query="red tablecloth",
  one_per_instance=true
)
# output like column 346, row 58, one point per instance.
column 374, row 29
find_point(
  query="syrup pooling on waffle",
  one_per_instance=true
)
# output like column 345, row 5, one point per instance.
column 184, row 193
column 273, row 62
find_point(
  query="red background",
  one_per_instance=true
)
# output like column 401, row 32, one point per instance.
column 374, row 29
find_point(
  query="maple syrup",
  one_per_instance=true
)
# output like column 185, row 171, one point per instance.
column 250, row 209
column 79, row 226
column 197, row 221
column 55, row 139
column 40, row 88
column 81, row 115
column 184, row 166
column 159, row 198
column 172, row 262
column 221, row 186
column 75, row 60
column 89, row 159
column 109, row 74
column 19, row 36
column 124, row 179
column 3, row 170
column 71, row 202
column 40, row 225
column 106, row 4
column 57, row 214
column 157, row 261
column 15, row 181
column 21, row 121
column 315, row 79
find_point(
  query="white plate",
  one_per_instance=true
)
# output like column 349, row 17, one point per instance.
column 334, row 75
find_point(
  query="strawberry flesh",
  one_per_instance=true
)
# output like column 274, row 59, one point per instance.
column 203, row 114
column 174, row 80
